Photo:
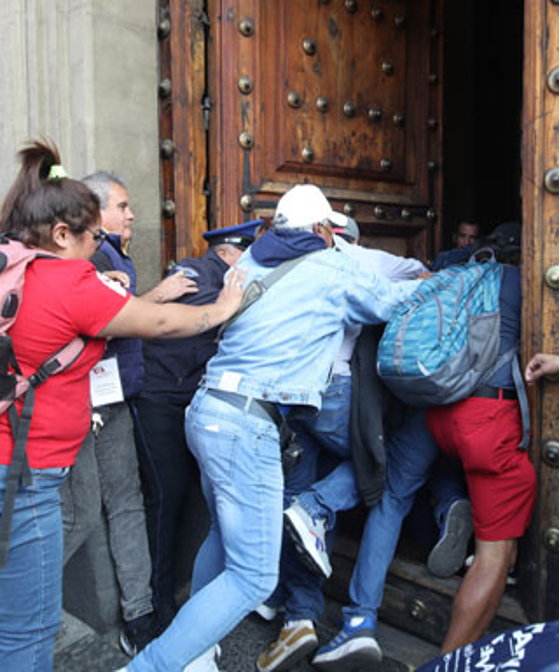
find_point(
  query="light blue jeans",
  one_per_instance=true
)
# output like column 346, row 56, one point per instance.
column 237, row 566
column 31, row 581
column 411, row 451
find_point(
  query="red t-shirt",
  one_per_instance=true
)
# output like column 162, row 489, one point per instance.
column 62, row 298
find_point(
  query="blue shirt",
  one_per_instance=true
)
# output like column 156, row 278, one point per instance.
column 510, row 323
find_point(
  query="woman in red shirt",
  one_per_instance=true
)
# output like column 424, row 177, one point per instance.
column 63, row 298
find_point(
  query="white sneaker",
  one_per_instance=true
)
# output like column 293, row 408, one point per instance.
column 308, row 534
column 207, row 662
column 265, row 612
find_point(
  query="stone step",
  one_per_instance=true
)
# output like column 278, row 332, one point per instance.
column 80, row 648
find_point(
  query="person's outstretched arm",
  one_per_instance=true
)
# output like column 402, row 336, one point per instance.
column 144, row 319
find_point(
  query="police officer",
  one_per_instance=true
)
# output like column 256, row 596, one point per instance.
column 173, row 369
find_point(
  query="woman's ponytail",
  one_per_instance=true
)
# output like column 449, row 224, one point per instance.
column 43, row 195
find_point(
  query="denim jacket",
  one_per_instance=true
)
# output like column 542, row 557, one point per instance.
column 281, row 349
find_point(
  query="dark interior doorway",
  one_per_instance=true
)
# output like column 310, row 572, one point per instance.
column 483, row 75
column 483, row 60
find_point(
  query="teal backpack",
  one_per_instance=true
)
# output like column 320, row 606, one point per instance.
column 441, row 344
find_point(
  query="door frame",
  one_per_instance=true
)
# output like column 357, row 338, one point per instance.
column 539, row 553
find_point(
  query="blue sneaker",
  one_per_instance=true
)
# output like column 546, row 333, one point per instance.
column 352, row 650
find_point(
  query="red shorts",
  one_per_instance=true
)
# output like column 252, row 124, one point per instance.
column 484, row 434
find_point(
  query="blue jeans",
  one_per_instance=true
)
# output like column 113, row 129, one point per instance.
column 411, row 451
column 237, row 566
column 325, row 439
column 327, row 432
column 31, row 581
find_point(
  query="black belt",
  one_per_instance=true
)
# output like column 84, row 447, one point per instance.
column 257, row 407
column 487, row 392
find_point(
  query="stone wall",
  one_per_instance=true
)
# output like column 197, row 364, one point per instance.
column 84, row 73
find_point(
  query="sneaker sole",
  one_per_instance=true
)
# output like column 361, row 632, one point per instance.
column 126, row 646
column 307, row 645
column 353, row 661
column 448, row 555
column 313, row 562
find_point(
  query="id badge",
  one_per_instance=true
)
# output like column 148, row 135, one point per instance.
column 105, row 383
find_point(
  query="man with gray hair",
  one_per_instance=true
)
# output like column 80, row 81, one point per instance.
column 273, row 360
column 106, row 473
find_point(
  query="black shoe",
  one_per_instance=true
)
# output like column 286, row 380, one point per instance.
column 138, row 633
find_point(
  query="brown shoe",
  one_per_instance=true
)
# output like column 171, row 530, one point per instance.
column 296, row 640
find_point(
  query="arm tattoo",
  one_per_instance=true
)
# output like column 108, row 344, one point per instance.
column 203, row 324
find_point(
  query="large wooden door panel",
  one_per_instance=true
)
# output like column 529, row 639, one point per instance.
column 342, row 94
column 340, row 86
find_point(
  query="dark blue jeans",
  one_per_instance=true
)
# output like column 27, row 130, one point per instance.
column 31, row 581
column 167, row 469
column 411, row 451
column 325, row 440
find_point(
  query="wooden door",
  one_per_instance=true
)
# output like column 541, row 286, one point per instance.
column 539, row 555
column 345, row 94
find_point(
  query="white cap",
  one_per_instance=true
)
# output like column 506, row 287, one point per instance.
column 301, row 207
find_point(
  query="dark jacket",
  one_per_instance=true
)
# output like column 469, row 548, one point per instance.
column 175, row 366
column 111, row 257
column 369, row 399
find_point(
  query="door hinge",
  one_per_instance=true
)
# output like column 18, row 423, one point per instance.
column 206, row 108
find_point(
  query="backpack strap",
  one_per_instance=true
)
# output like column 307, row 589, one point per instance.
column 18, row 471
column 520, row 390
column 491, row 255
column 256, row 288
column 523, row 403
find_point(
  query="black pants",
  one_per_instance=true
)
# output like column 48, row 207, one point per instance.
column 167, row 470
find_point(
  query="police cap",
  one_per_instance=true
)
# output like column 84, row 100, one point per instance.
column 240, row 235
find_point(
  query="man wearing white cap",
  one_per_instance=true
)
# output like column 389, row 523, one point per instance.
column 330, row 447
column 275, row 358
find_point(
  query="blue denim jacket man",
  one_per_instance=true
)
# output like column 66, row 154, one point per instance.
column 280, row 350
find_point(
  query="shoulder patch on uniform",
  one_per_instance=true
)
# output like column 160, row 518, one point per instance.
column 112, row 284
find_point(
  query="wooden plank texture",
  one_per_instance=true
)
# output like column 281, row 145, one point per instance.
column 539, row 566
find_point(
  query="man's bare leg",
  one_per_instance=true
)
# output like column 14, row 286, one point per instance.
column 480, row 593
